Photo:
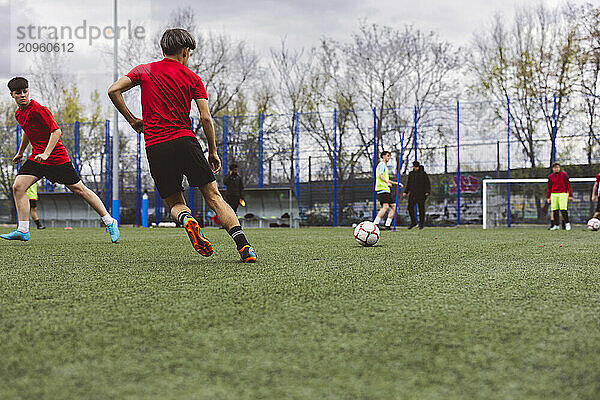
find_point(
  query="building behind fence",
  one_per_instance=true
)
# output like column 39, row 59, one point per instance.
column 329, row 157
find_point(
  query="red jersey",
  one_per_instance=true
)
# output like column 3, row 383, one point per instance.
column 168, row 88
column 559, row 183
column 598, row 183
column 37, row 122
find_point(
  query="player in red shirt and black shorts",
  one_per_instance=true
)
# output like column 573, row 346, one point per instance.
column 48, row 159
column 596, row 196
column 167, row 90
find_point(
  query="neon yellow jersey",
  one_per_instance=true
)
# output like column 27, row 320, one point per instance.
column 380, row 184
column 32, row 192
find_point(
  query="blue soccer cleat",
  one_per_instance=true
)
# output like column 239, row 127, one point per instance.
column 16, row 235
column 247, row 254
column 113, row 231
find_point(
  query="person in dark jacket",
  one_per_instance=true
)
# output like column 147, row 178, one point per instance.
column 417, row 189
column 235, row 187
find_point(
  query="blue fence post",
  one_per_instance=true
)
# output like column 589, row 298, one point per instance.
column 374, row 162
column 18, row 135
column 335, row 204
column 157, row 206
column 145, row 210
column 191, row 188
column 225, row 138
column 457, row 163
column 107, row 166
column 508, row 208
column 261, row 118
column 415, row 134
column 398, row 178
column 76, row 157
column 554, row 130
column 297, row 156
column 138, row 181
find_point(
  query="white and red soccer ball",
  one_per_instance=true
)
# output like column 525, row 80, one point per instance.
column 593, row 224
column 366, row 233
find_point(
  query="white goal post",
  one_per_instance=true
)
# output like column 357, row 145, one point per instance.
column 487, row 182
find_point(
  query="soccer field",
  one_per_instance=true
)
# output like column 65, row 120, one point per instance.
column 435, row 314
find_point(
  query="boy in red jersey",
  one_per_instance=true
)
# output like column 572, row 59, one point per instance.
column 168, row 88
column 48, row 159
column 558, row 195
column 596, row 196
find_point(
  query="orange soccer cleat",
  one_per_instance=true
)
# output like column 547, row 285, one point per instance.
column 200, row 243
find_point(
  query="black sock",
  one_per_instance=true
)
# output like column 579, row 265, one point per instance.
column 565, row 216
column 38, row 223
column 182, row 216
column 556, row 217
column 238, row 236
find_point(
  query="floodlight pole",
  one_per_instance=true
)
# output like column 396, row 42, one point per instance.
column 116, row 206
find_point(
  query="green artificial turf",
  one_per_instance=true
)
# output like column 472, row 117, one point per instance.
column 435, row 314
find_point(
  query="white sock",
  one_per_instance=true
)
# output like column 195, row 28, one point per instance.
column 377, row 220
column 388, row 222
column 23, row 226
column 107, row 219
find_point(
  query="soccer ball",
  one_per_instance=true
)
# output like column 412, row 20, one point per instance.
column 593, row 224
column 366, row 233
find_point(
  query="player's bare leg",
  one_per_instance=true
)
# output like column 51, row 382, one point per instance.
column 229, row 220
column 22, row 182
column 181, row 212
column 94, row 201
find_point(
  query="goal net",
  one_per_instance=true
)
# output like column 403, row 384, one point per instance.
column 508, row 202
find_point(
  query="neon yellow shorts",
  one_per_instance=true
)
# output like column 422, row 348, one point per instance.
column 559, row 201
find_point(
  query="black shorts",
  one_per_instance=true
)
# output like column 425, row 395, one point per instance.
column 170, row 161
column 385, row 197
column 32, row 203
column 62, row 173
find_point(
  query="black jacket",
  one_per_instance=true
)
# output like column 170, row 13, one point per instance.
column 418, row 183
column 235, row 187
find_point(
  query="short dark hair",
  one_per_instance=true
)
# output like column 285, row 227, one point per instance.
column 18, row 83
column 176, row 39
column 416, row 163
column 383, row 153
column 555, row 164
column 233, row 166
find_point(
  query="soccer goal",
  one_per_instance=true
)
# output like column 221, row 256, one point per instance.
column 508, row 202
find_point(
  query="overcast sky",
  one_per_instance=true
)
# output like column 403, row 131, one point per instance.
column 262, row 23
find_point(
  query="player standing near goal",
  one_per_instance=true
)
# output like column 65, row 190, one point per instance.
column 558, row 196
column 173, row 150
column 383, row 190
column 596, row 196
column 48, row 159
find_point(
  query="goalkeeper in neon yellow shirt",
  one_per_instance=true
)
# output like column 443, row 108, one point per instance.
column 383, row 190
column 32, row 194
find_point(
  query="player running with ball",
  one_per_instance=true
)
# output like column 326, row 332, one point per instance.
column 48, row 159
column 168, row 88
column 558, row 196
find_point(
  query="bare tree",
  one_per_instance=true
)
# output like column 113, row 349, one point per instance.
column 587, row 61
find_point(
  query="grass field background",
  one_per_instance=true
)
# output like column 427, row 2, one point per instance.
column 435, row 314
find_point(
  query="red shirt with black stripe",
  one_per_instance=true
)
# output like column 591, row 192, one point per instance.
column 558, row 183
column 598, row 184
column 168, row 88
column 37, row 122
